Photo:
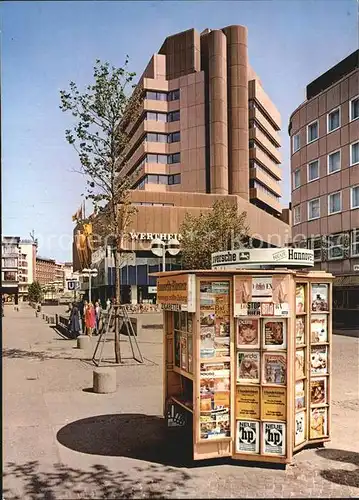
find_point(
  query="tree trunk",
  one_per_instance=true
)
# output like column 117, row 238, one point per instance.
column 118, row 301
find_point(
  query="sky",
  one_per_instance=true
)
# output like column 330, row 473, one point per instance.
column 45, row 45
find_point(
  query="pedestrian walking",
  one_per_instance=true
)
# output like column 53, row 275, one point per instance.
column 108, row 304
column 90, row 318
column 75, row 321
column 97, row 316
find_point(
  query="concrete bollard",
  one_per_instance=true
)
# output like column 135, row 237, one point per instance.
column 43, row 315
column 104, row 380
column 83, row 342
column 51, row 320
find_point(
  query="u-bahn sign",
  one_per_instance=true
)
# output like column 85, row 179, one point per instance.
column 263, row 257
column 73, row 285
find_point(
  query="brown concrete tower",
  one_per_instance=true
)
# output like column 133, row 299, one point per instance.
column 238, row 139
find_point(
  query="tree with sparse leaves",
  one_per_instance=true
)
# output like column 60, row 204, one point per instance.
column 35, row 292
column 217, row 230
column 100, row 138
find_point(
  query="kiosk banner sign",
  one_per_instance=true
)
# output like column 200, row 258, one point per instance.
column 263, row 257
column 177, row 292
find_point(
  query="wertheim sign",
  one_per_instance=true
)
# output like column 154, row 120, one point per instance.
column 151, row 236
column 258, row 257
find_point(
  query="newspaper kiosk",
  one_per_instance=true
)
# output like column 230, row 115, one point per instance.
column 247, row 358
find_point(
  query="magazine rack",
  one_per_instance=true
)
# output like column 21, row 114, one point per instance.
column 247, row 360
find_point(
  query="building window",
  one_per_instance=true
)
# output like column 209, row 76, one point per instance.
column 157, row 117
column 174, row 116
column 174, row 137
column 174, row 95
column 313, row 170
column 9, row 276
column 174, row 179
column 334, row 203
column 354, row 240
column 335, row 246
column 296, row 215
column 314, row 209
column 174, row 158
column 156, row 96
column 333, row 120
column 354, row 108
column 315, row 244
column 333, row 162
column 354, row 197
column 296, row 178
column 296, row 143
column 312, row 132
column 354, row 153
column 9, row 262
column 153, row 137
column 153, row 158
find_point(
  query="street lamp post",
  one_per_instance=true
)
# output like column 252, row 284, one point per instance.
column 90, row 273
column 160, row 247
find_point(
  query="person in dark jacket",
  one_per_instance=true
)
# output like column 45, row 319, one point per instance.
column 75, row 324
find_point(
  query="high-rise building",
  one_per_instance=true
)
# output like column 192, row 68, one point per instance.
column 10, row 255
column 324, row 132
column 207, row 131
column 27, row 267
column 45, row 270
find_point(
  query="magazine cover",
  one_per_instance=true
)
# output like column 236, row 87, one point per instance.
column 300, row 298
column 208, row 319
column 190, row 323
column 274, row 403
column 247, row 402
column 184, row 352
column 248, row 333
column 319, row 360
column 242, row 294
column 274, row 368
column 299, row 363
column 280, row 285
column 220, row 287
column 222, row 327
column 300, row 430
column 320, row 297
column 299, row 395
column 319, row 328
column 274, row 438
column 207, row 349
column 216, row 428
column 274, row 333
column 190, row 353
column 318, row 391
column 222, row 347
column 247, row 437
column 221, row 306
column 318, row 423
column 300, row 330
column 248, row 366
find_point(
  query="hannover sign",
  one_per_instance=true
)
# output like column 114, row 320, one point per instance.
column 263, row 257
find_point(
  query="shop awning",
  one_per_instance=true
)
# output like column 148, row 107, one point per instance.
column 346, row 281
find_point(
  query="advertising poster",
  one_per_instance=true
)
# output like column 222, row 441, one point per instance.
column 274, row 334
column 300, row 428
column 248, row 364
column 281, row 285
column 248, row 333
column 299, row 395
column 262, row 288
column 247, row 437
column 274, row 403
column 320, row 297
column 318, row 423
column 300, row 298
column 319, row 328
column 184, row 352
column 319, row 360
column 274, row 438
column 253, row 309
column 242, row 294
column 300, row 330
column 274, row 368
column 318, row 391
column 267, row 309
column 247, row 402
column 299, row 364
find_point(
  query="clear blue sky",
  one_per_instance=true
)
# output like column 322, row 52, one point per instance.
column 47, row 44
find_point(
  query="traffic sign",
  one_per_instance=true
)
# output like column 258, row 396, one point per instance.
column 73, row 285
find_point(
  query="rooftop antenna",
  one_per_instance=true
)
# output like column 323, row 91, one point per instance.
column 32, row 236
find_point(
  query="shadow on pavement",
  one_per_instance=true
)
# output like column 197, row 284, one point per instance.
column 137, row 436
column 97, row 482
column 344, row 477
column 40, row 355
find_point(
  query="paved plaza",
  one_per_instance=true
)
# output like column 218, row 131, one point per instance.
column 62, row 441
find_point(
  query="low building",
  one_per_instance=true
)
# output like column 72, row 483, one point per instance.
column 27, row 267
